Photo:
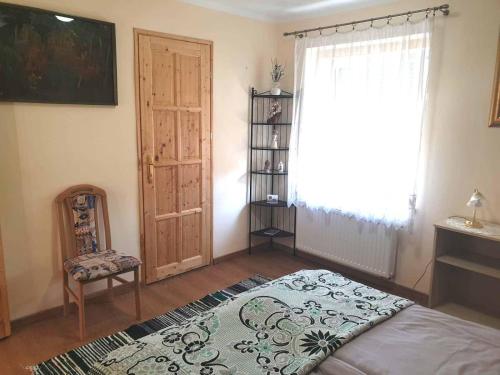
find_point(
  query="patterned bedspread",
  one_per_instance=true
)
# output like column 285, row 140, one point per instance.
column 286, row 326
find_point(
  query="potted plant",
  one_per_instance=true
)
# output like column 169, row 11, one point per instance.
column 277, row 72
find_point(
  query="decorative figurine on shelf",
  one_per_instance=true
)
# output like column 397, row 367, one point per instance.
column 277, row 72
column 281, row 167
column 267, row 166
column 274, row 113
column 274, row 139
column 272, row 198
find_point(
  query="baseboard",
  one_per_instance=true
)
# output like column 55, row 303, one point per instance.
column 373, row 281
column 384, row 284
column 255, row 249
column 119, row 289
column 381, row 283
column 224, row 257
column 58, row 310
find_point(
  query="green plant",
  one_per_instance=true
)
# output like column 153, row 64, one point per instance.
column 278, row 70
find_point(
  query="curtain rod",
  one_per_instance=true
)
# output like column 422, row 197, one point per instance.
column 445, row 9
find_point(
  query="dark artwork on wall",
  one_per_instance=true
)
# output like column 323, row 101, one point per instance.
column 55, row 58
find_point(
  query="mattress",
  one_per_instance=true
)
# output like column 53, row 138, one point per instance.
column 416, row 341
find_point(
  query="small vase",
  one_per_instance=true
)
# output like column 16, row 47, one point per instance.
column 276, row 89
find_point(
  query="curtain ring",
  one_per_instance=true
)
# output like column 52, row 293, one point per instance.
column 371, row 22
column 427, row 13
column 336, row 29
column 320, row 32
column 389, row 20
column 408, row 17
column 434, row 12
column 353, row 26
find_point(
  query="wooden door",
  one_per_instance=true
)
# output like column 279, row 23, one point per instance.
column 174, row 99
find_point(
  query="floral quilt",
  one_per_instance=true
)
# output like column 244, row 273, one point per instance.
column 287, row 326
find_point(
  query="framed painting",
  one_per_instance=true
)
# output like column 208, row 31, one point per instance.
column 495, row 101
column 49, row 57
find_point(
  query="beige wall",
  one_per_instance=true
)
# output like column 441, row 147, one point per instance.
column 460, row 151
column 45, row 147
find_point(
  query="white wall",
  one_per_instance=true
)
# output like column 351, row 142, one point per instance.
column 460, row 151
column 45, row 148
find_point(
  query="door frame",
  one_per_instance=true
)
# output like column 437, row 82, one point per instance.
column 137, row 33
column 5, row 328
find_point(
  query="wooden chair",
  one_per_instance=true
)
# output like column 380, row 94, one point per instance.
column 87, row 256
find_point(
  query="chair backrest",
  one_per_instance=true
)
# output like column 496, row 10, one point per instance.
column 82, row 212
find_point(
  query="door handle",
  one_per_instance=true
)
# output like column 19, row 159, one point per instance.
column 151, row 168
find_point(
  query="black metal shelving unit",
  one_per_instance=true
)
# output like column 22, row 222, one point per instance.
column 270, row 220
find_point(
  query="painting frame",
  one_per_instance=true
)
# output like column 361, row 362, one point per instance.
column 113, row 99
column 495, row 101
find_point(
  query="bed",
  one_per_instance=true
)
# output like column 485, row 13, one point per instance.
column 293, row 324
column 418, row 340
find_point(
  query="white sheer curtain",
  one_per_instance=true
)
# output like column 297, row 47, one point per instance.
column 357, row 124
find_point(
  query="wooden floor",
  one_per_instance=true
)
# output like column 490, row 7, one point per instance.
column 35, row 342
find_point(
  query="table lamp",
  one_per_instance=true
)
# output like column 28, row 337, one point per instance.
column 475, row 202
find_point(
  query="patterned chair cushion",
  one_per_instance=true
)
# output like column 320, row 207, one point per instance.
column 102, row 263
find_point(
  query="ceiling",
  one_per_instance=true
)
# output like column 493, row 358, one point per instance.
column 283, row 10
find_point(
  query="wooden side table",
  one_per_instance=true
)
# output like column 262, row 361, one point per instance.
column 466, row 266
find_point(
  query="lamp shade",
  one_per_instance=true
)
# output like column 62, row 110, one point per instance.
column 475, row 199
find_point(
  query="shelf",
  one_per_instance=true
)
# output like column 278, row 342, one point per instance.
column 278, row 124
column 267, row 94
column 280, row 234
column 265, row 204
column 270, row 149
column 469, row 265
column 272, row 173
column 264, row 216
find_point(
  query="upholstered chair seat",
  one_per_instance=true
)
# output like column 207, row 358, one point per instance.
column 99, row 264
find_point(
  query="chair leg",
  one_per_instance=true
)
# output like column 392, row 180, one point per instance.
column 110, row 288
column 137, row 294
column 81, row 310
column 65, row 294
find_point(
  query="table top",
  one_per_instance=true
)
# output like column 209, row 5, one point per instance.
column 489, row 231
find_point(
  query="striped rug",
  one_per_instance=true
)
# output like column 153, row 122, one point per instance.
column 79, row 360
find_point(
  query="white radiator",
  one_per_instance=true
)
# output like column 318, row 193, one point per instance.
column 368, row 247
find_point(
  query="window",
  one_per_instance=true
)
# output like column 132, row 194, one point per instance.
column 357, row 121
